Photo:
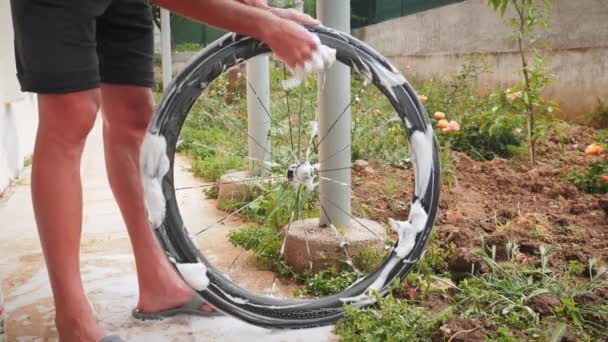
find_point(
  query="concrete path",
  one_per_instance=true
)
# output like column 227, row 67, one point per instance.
column 108, row 268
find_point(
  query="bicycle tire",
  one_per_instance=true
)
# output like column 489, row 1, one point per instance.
column 158, row 161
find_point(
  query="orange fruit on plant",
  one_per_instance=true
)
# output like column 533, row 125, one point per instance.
column 594, row 150
column 443, row 123
column 605, row 179
column 439, row 115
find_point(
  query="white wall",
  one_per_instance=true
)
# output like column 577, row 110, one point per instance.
column 436, row 42
column 18, row 111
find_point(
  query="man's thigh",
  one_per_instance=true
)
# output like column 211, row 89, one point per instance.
column 64, row 46
column 125, row 43
column 55, row 44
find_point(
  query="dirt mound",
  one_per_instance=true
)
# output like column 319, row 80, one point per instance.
column 500, row 201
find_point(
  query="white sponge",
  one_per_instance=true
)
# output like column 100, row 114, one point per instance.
column 322, row 58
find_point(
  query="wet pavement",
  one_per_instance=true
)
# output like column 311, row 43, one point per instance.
column 108, row 269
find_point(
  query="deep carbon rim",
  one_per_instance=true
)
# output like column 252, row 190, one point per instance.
column 158, row 162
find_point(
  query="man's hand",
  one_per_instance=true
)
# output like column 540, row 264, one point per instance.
column 290, row 42
column 278, row 28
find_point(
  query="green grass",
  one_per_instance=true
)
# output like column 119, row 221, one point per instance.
column 325, row 283
column 393, row 319
column 503, row 298
column 188, row 47
column 263, row 241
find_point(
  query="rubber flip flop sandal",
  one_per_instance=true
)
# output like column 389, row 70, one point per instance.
column 112, row 338
column 192, row 307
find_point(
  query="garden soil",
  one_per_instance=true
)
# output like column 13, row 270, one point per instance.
column 493, row 202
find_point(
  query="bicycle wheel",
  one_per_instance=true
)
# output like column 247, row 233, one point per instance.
column 403, row 178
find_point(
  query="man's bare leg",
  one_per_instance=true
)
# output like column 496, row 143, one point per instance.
column 65, row 121
column 126, row 113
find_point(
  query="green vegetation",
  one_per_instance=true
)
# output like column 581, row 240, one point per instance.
column 265, row 243
column 534, row 300
column 393, row 319
column 591, row 177
column 530, row 17
column 491, row 125
column 599, row 117
column 188, row 47
column 522, row 302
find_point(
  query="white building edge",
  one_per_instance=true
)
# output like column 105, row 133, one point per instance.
column 18, row 110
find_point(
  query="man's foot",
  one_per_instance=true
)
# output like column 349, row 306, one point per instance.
column 194, row 307
column 168, row 297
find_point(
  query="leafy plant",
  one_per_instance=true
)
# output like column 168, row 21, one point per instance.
column 599, row 116
column 458, row 95
column 213, row 167
column 507, row 296
column 432, row 263
column 326, row 282
column 368, row 259
column 591, row 177
column 530, row 17
column 490, row 125
column 263, row 241
column 575, row 268
column 392, row 320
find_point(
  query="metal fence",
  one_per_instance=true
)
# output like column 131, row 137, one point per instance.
column 367, row 12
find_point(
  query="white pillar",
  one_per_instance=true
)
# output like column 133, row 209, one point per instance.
column 299, row 5
column 258, row 112
column 333, row 99
column 165, row 42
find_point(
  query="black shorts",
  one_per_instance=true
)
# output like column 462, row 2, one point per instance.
column 64, row 46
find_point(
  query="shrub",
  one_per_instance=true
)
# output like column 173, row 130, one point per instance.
column 487, row 136
column 599, row 116
column 263, row 241
column 591, row 178
column 326, row 282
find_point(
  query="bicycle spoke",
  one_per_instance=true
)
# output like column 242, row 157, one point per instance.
column 337, row 169
column 286, row 231
column 300, row 121
column 341, row 240
column 266, row 163
column 259, row 145
column 289, row 116
column 249, row 240
column 231, row 215
column 331, row 127
column 334, row 154
column 308, row 251
column 263, row 106
column 337, row 182
column 234, row 182
column 348, row 214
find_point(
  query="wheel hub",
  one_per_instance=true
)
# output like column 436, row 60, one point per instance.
column 301, row 174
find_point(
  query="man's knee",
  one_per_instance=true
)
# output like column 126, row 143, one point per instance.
column 68, row 117
column 127, row 109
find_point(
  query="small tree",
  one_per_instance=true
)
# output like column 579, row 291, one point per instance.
column 530, row 17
